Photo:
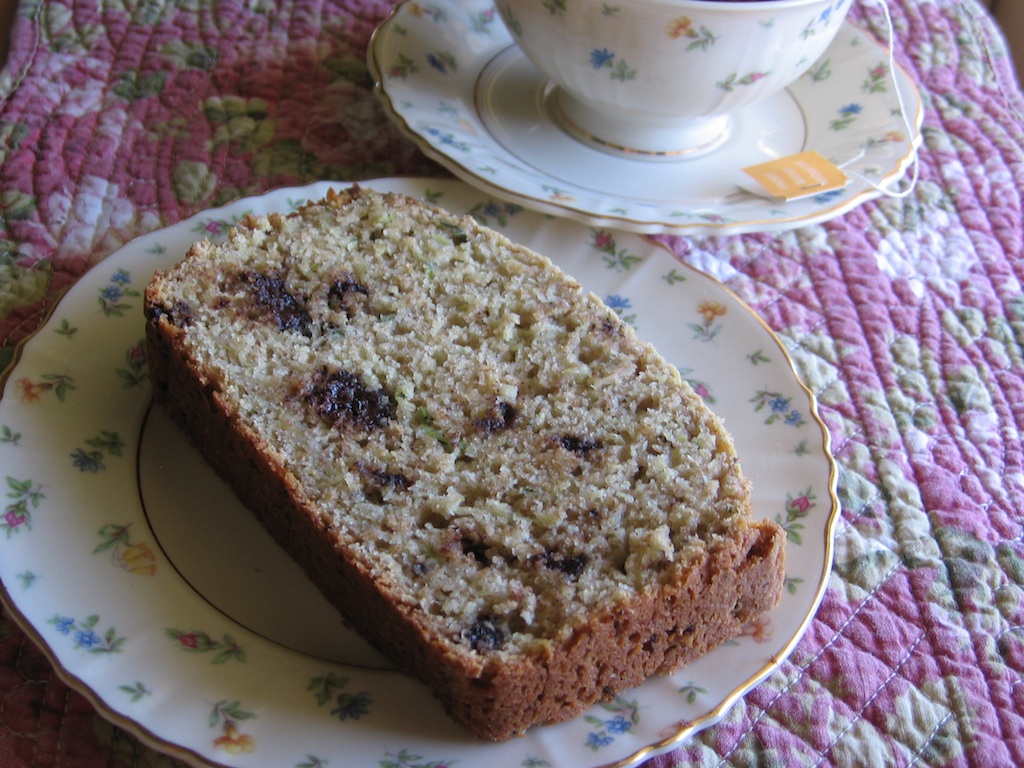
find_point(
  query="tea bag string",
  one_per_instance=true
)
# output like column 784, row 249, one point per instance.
column 915, row 165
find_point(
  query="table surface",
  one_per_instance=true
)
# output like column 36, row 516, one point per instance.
column 905, row 317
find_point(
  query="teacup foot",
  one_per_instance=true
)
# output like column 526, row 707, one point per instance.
column 647, row 137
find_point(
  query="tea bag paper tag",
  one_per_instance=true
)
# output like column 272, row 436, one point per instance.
column 796, row 176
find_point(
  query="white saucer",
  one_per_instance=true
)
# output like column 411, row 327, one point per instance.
column 516, row 106
column 453, row 80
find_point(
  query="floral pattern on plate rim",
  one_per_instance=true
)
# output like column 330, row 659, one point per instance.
column 605, row 256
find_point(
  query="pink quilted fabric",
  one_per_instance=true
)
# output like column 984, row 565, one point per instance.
column 905, row 317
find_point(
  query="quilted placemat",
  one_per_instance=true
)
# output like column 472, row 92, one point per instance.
column 905, row 317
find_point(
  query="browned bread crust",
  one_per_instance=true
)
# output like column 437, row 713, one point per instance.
column 505, row 672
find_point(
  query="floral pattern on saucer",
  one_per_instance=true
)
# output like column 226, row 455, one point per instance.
column 444, row 72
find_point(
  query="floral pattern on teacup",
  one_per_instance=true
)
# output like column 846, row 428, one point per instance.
column 683, row 27
column 735, row 80
column 602, row 58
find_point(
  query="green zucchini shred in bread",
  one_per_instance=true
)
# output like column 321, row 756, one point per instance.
column 477, row 462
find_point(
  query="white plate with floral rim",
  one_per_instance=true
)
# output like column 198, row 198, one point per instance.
column 452, row 79
column 155, row 593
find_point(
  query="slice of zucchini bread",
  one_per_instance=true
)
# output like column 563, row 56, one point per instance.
column 477, row 462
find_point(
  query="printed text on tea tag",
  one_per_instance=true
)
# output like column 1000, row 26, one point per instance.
column 796, row 176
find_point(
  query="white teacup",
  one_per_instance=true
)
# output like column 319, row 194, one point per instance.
column 661, row 77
